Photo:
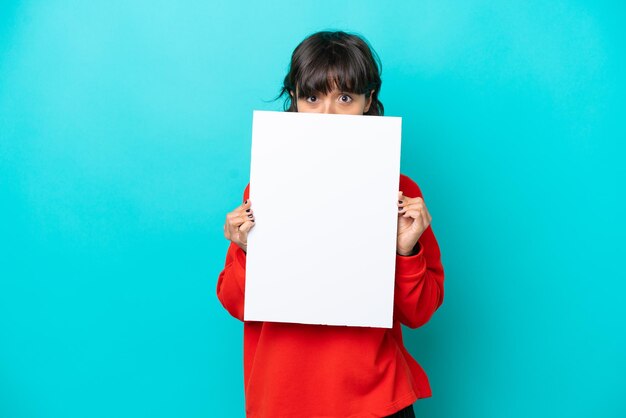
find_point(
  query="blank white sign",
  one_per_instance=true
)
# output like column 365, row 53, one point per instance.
column 324, row 191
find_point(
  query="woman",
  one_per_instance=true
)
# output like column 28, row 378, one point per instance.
column 301, row 370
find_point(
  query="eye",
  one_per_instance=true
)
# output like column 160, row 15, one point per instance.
column 344, row 98
column 311, row 99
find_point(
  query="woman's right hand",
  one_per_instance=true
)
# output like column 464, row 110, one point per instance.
column 238, row 223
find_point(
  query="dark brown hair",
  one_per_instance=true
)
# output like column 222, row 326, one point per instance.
column 327, row 59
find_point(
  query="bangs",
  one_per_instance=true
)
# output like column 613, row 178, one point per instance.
column 333, row 68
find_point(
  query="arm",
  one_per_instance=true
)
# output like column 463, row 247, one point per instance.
column 419, row 278
column 231, row 282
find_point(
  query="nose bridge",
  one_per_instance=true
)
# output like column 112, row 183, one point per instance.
column 328, row 106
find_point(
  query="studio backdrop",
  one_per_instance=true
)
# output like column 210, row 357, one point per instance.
column 125, row 130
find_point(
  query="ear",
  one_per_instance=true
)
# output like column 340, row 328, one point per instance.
column 369, row 102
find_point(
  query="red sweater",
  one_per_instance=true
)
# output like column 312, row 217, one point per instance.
column 305, row 371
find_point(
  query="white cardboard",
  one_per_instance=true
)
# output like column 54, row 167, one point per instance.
column 324, row 190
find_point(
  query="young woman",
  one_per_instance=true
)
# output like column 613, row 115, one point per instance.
column 299, row 370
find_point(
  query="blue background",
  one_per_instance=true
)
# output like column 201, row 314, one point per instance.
column 125, row 139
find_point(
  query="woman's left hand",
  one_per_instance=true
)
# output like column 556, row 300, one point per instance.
column 413, row 219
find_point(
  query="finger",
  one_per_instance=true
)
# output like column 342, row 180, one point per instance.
column 414, row 205
column 402, row 200
column 246, row 210
column 412, row 214
column 245, row 228
column 237, row 218
column 419, row 222
column 248, row 218
column 427, row 216
column 234, row 220
column 419, row 204
column 234, row 228
column 406, row 200
column 244, row 207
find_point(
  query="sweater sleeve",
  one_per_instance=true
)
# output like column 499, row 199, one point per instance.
column 231, row 282
column 418, row 289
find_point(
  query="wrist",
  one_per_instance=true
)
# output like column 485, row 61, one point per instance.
column 409, row 253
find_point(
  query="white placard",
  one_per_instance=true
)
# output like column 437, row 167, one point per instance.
column 324, row 191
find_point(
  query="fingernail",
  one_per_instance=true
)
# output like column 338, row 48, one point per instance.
column 247, row 210
column 399, row 201
column 245, row 202
column 249, row 216
column 253, row 220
